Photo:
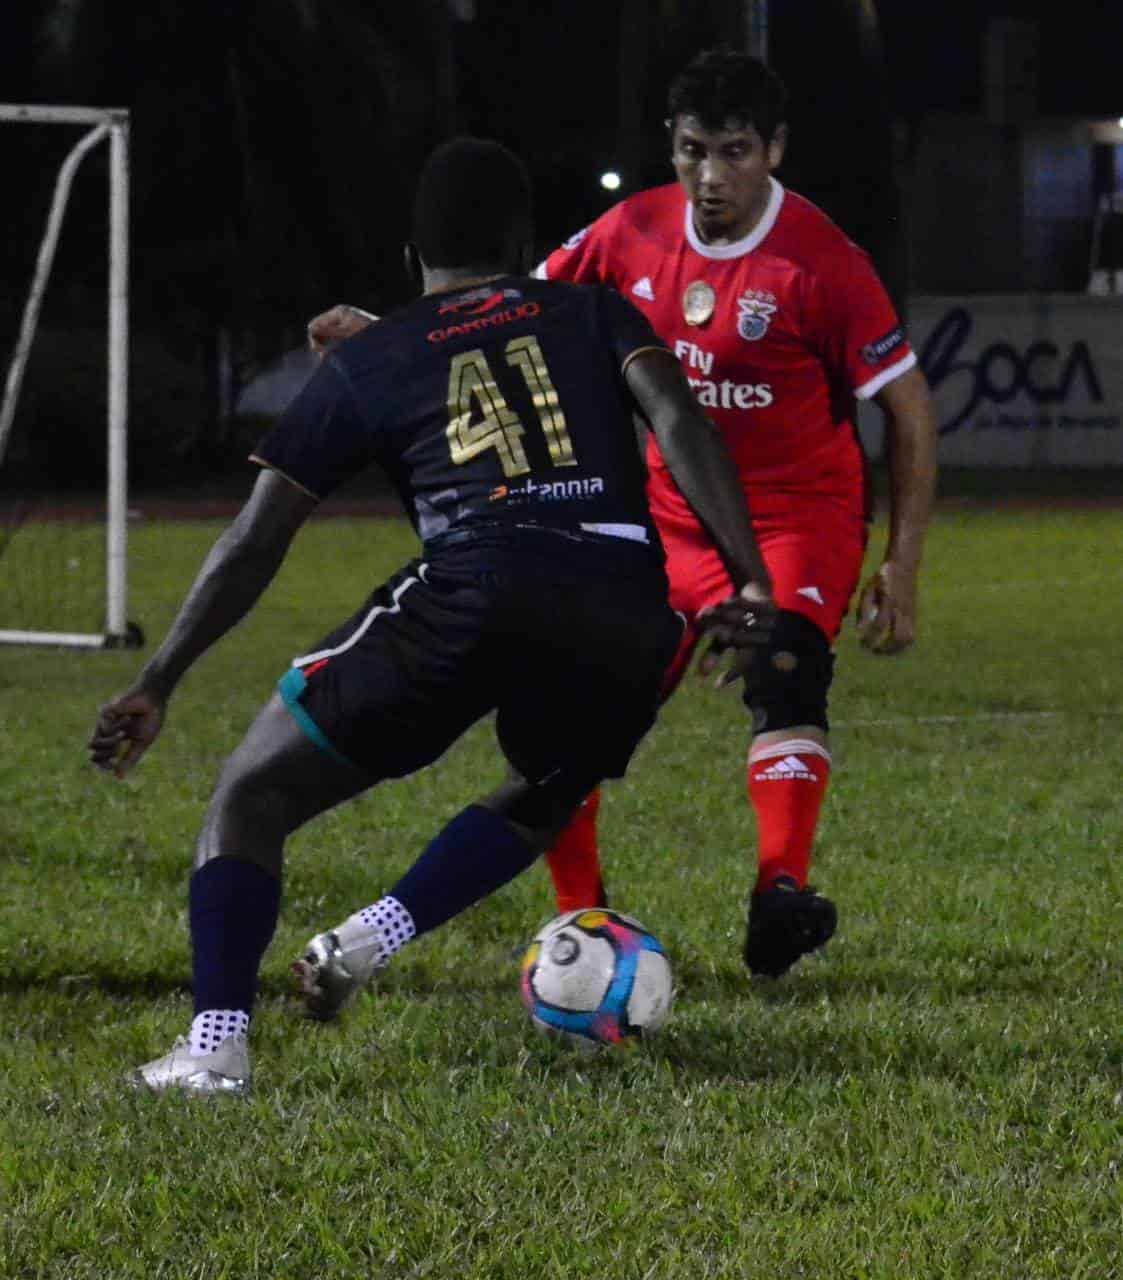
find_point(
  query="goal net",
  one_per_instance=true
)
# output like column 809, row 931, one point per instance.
column 63, row 573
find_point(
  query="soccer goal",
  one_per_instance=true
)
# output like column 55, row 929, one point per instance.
column 63, row 569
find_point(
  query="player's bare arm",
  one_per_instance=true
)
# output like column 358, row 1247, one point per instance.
column 699, row 460
column 336, row 324
column 238, row 569
column 887, row 604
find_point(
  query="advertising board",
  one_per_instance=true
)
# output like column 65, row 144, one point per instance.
column 1020, row 380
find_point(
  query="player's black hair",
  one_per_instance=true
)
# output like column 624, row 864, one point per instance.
column 472, row 205
column 720, row 85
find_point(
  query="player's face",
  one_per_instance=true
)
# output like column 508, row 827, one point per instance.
column 725, row 173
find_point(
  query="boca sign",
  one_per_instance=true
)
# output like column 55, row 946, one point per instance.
column 1023, row 380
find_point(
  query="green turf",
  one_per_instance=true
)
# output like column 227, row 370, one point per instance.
column 939, row 1095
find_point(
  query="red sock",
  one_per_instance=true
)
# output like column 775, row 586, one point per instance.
column 574, row 862
column 786, row 784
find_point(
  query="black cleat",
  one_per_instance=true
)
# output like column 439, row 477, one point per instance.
column 785, row 923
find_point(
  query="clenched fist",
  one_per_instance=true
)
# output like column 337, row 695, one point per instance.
column 340, row 322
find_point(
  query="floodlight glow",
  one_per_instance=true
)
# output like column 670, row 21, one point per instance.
column 610, row 180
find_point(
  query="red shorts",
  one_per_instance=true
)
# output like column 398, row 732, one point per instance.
column 813, row 549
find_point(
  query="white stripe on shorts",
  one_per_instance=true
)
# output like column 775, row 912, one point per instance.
column 365, row 625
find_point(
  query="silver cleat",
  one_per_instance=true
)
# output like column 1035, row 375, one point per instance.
column 222, row 1070
column 336, row 966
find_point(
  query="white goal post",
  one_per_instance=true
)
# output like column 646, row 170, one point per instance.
column 109, row 124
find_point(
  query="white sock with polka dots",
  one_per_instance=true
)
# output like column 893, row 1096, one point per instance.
column 392, row 921
column 212, row 1026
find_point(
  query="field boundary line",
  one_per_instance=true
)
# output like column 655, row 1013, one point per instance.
column 973, row 717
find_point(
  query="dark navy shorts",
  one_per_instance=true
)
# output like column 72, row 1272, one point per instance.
column 565, row 639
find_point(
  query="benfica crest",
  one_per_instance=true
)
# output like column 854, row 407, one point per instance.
column 755, row 309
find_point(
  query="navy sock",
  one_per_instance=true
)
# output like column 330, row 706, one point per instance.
column 473, row 856
column 234, row 905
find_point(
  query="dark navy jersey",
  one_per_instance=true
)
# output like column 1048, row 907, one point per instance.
column 504, row 403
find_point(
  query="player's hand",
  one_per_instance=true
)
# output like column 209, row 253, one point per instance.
column 125, row 729
column 887, row 610
column 740, row 627
column 330, row 327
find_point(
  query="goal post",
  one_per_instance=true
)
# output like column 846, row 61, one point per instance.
column 111, row 125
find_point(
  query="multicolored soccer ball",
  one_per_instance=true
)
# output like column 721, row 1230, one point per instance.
column 596, row 977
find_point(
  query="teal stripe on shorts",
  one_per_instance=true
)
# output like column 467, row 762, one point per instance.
column 290, row 686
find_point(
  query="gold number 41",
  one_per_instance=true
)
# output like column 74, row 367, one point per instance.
column 472, row 387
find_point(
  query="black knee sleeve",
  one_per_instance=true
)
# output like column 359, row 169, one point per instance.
column 790, row 680
column 547, row 805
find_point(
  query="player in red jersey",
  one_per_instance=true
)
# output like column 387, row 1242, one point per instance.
column 781, row 323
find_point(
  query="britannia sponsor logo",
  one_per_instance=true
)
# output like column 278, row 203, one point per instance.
column 552, row 491
column 755, row 309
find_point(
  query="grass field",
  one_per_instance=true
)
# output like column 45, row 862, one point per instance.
column 940, row 1094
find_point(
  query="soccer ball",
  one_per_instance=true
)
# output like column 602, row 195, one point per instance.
column 595, row 977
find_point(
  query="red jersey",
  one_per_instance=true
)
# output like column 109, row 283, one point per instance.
column 777, row 333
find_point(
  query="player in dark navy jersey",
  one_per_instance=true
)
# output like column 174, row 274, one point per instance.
column 502, row 409
column 499, row 404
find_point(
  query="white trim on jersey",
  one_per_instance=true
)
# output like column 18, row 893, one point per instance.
column 747, row 243
column 365, row 625
column 886, row 376
column 613, row 529
column 539, row 272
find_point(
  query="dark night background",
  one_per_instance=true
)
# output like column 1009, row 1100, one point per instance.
column 275, row 145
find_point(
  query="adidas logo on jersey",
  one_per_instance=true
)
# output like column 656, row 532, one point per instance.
column 642, row 289
column 786, row 769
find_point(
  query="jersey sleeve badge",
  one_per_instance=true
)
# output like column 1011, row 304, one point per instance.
column 874, row 352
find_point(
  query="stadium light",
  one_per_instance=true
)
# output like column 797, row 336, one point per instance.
column 610, row 180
